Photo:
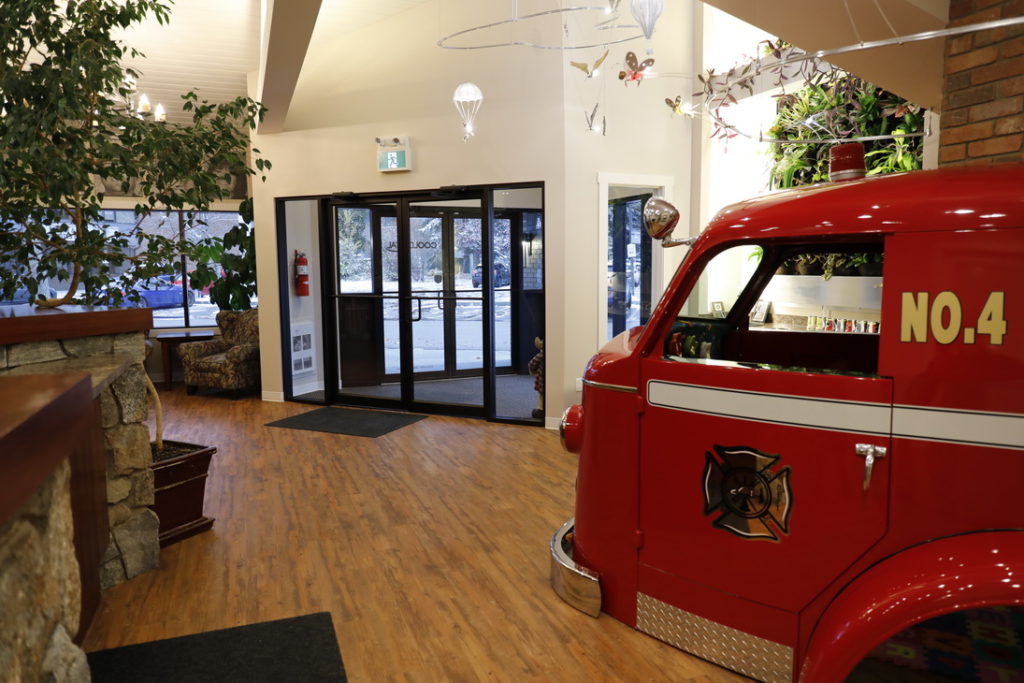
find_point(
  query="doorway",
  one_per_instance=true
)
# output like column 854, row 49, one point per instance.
column 438, row 297
column 629, row 263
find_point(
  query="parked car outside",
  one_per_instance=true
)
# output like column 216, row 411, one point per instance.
column 205, row 291
column 163, row 292
column 502, row 276
column 21, row 295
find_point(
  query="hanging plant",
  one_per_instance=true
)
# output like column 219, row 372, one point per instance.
column 720, row 90
column 833, row 105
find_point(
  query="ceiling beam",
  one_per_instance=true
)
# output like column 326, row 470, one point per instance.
column 287, row 27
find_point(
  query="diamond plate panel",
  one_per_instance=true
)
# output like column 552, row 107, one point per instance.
column 742, row 652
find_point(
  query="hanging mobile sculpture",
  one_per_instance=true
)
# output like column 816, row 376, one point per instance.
column 646, row 13
column 635, row 70
column 467, row 99
column 592, row 124
column 680, row 109
column 590, row 69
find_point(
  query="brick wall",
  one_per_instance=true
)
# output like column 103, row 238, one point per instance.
column 983, row 92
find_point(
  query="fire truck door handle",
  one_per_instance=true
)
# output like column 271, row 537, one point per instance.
column 870, row 452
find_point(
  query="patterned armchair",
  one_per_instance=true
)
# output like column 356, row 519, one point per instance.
column 231, row 361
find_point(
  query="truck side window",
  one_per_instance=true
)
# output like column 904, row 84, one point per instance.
column 700, row 326
column 827, row 320
column 721, row 282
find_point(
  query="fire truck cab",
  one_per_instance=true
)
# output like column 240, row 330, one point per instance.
column 778, row 473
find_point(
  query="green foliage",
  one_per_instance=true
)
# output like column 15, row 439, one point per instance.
column 67, row 133
column 837, row 105
column 229, row 265
column 355, row 248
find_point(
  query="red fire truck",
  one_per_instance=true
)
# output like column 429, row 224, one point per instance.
column 778, row 473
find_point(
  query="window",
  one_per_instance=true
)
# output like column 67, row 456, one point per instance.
column 201, row 311
column 174, row 303
column 749, row 307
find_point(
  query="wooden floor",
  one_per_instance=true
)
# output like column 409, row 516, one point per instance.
column 428, row 546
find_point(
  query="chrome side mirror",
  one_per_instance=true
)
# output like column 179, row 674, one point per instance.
column 660, row 219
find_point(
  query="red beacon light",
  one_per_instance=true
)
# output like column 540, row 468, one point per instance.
column 846, row 162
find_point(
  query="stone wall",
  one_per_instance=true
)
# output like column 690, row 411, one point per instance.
column 983, row 90
column 134, row 546
column 40, row 599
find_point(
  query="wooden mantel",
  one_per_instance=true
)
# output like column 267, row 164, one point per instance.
column 45, row 419
column 42, row 420
column 27, row 323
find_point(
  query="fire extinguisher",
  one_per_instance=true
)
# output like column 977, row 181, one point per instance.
column 301, row 274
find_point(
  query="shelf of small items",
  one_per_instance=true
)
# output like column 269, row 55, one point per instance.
column 812, row 303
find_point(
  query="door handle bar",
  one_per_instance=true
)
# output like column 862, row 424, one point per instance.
column 870, row 453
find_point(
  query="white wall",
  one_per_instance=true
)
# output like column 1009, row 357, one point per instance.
column 391, row 79
column 645, row 144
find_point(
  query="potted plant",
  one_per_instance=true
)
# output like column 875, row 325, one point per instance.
column 179, row 486
column 228, row 266
column 868, row 264
column 808, row 264
column 72, row 126
column 837, row 264
column 787, row 267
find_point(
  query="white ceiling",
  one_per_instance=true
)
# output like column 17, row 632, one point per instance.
column 212, row 46
column 207, row 46
column 338, row 17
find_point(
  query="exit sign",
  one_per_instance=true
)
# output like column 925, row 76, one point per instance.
column 393, row 155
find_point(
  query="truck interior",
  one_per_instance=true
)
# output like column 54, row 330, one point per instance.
column 824, row 319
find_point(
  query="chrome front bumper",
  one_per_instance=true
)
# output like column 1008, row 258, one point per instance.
column 575, row 584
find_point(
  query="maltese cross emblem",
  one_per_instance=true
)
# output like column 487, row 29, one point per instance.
column 751, row 500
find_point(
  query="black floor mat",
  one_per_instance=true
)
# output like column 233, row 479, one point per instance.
column 348, row 421
column 298, row 649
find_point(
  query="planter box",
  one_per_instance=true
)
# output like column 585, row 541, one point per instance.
column 179, row 484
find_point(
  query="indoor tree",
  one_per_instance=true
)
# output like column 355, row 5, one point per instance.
column 69, row 128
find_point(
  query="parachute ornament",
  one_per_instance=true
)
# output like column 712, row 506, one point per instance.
column 646, row 13
column 467, row 99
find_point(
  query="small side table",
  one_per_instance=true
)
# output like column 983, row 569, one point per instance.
column 169, row 340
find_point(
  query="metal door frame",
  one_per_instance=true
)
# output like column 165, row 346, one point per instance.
column 407, row 300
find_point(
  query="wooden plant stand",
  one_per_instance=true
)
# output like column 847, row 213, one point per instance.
column 179, row 484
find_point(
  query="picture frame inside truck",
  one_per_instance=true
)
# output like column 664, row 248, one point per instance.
column 825, row 318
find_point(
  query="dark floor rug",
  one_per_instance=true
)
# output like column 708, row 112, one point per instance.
column 985, row 644
column 348, row 421
column 301, row 649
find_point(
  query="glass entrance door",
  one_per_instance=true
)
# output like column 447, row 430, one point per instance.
column 448, row 317
column 368, row 299
column 413, row 307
